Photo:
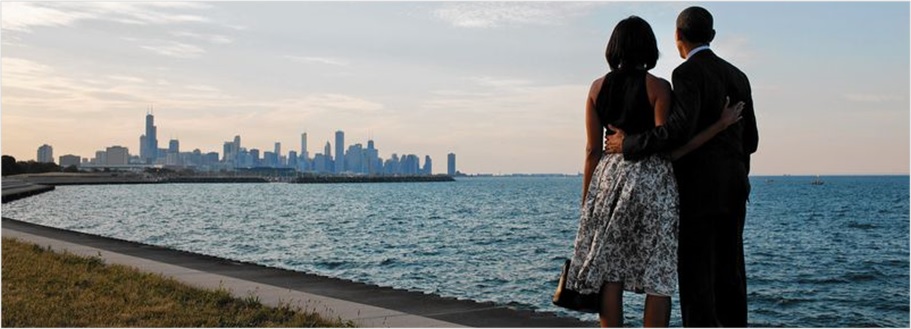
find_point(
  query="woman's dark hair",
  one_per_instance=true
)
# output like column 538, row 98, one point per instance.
column 695, row 25
column 632, row 45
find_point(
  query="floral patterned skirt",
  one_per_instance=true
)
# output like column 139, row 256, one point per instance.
column 628, row 228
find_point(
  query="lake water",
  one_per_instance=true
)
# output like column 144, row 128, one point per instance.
column 832, row 255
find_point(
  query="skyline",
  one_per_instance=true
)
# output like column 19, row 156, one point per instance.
column 500, row 84
column 353, row 158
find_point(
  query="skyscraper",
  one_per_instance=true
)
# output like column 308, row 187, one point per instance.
column 428, row 165
column 339, row 151
column 304, row 153
column 46, row 154
column 174, row 146
column 278, row 154
column 236, row 150
column 151, row 140
column 373, row 161
column 173, row 155
column 327, row 153
column 228, row 152
column 451, row 161
column 292, row 159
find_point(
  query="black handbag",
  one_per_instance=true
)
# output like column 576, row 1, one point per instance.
column 573, row 300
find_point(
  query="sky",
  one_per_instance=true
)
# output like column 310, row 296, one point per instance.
column 501, row 84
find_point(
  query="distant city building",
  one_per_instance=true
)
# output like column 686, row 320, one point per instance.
column 305, row 154
column 45, row 154
column 210, row 159
column 391, row 166
column 428, row 165
column 148, row 143
column 374, row 163
column 173, row 155
column 235, row 147
column 228, row 152
column 410, row 165
column 339, row 151
column 117, row 155
column 292, row 159
column 278, row 154
column 321, row 163
column 69, row 160
column 327, row 153
column 254, row 155
column 173, row 146
column 451, row 164
column 270, row 159
column 101, row 158
column 355, row 158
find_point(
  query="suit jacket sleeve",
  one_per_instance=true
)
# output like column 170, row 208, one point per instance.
column 678, row 127
column 750, row 129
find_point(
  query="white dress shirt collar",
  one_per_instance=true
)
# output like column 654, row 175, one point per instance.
column 696, row 50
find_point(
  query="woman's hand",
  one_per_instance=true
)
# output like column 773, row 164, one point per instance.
column 730, row 114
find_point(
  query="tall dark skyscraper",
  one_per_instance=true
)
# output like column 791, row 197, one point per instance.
column 148, row 147
column 327, row 153
column 428, row 165
column 339, row 151
column 304, row 153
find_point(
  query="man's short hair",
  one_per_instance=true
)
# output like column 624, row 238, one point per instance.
column 694, row 24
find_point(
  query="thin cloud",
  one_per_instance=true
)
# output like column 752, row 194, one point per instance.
column 318, row 60
column 210, row 38
column 872, row 98
column 23, row 16
column 123, row 78
column 175, row 49
column 496, row 14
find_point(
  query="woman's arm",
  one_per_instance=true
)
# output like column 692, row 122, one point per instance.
column 594, row 133
column 729, row 116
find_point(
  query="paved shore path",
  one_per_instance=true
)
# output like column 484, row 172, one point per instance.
column 365, row 305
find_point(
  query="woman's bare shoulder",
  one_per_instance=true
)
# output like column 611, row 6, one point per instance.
column 657, row 86
column 653, row 81
column 596, row 87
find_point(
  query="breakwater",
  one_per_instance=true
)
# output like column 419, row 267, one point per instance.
column 370, row 179
column 14, row 190
column 214, row 179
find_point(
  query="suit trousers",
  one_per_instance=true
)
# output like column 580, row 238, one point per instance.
column 711, row 270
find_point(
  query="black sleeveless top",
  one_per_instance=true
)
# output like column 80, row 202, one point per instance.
column 623, row 102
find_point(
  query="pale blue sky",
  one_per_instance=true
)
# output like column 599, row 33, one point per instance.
column 500, row 84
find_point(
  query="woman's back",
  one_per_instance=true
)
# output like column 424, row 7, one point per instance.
column 624, row 102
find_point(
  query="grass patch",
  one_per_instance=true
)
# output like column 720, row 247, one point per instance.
column 42, row 288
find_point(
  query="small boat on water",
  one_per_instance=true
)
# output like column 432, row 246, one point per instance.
column 817, row 181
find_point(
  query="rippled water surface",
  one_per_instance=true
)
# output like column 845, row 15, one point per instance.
column 817, row 255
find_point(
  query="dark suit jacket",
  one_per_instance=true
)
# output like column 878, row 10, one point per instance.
column 713, row 178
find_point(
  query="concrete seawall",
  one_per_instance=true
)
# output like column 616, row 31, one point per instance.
column 16, row 189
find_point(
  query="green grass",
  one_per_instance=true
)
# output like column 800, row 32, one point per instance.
column 42, row 288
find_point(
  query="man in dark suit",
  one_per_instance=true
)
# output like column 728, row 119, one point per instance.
column 712, row 179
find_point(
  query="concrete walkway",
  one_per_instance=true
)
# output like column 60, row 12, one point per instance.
column 365, row 305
